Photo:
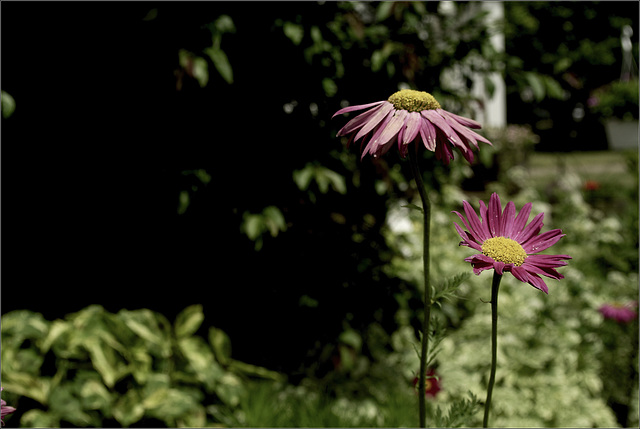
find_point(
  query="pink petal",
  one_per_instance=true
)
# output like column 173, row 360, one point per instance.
column 357, row 122
column 475, row 226
column 464, row 121
column 495, row 213
column 484, row 215
column 443, row 153
column 375, row 119
column 521, row 220
column 537, row 282
column 480, row 263
column 414, row 122
column 478, row 137
column 373, row 145
column 471, row 135
column 403, row 149
column 384, row 148
column 543, row 241
column 440, row 123
column 520, row 274
column 468, row 154
column 462, row 132
column 545, row 271
column 428, row 133
column 393, row 127
column 551, row 261
column 530, row 230
column 464, row 221
column 401, row 135
column 359, row 107
column 462, row 218
column 508, row 218
column 468, row 239
column 498, row 266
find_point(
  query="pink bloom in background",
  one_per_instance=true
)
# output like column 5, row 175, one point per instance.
column 591, row 185
column 506, row 243
column 5, row 410
column 432, row 384
column 411, row 116
column 622, row 313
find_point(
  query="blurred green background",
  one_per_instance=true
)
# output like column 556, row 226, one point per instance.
column 187, row 243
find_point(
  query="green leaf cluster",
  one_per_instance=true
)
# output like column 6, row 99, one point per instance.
column 618, row 99
column 197, row 66
column 93, row 367
column 322, row 176
column 270, row 220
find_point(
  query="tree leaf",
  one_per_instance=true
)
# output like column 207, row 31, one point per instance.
column 201, row 360
column 329, row 86
column 414, row 207
column 274, row 220
column 39, row 419
column 188, row 321
column 303, row 177
column 384, row 10
column 128, row 409
column 103, row 361
column 553, row 88
column 224, row 24
column 221, row 63
column 294, row 32
column 145, row 325
column 536, row 84
column 221, row 345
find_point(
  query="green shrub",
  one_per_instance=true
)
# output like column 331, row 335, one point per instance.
column 129, row 367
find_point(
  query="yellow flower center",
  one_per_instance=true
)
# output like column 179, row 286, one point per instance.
column 505, row 250
column 413, row 101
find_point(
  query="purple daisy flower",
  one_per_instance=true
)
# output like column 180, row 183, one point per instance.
column 409, row 116
column 506, row 244
column 622, row 313
column 5, row 410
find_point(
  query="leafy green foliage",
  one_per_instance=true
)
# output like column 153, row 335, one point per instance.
column 269, row 220
column 322, row 176
column 197, row 66
column 618, row 99
column 458, row 413
column 129, row 366
column 447, row 289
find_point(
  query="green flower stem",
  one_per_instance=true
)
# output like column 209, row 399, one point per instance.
column 426, row 210
column 494, row 344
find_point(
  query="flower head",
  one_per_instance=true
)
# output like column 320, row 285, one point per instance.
column 622, row 313
column 506, row 243
column 591, row 185
column 409, row 116
column 4, row 409
column 431, row 384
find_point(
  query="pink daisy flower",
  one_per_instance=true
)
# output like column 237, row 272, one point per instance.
column 622, row 313
column 409, row 116
column 4, row 410
column 506, row 244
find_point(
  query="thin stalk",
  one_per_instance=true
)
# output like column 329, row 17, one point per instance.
column 495, row 284
column 426, row 209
